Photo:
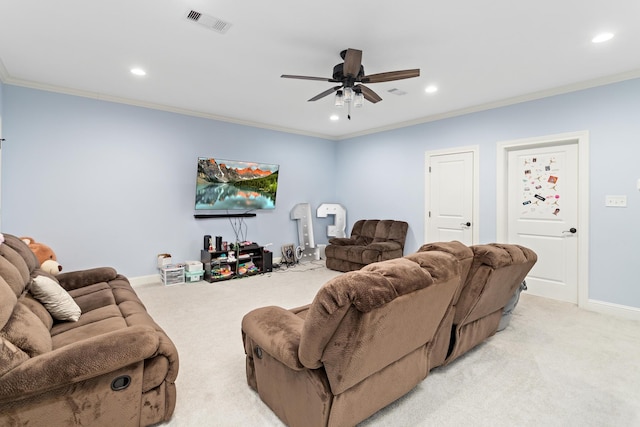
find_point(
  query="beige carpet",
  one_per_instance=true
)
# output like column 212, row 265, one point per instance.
column 555, row 365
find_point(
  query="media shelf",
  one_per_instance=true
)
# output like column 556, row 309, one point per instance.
column 243, row 261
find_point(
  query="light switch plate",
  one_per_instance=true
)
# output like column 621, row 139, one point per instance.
column 616, row 201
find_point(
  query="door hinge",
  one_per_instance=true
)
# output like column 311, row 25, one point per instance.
column 429, row 169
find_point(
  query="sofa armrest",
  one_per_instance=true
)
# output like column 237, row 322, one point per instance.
column 276, row 331
column 384, row 246
column 79, row 361
column 81, row 278
column 342, row 241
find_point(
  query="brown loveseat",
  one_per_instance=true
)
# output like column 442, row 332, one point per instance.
column 371, row 241
column 114, row 366
column 370, row 336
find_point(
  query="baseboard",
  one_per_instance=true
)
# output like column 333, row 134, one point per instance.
column 618, row 310
column 144, row 280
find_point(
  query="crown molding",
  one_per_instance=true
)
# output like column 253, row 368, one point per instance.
column 4, row 74
column 574, row 87
column 6, row 78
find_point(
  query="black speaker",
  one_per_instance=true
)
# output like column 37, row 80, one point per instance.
column 207, row 242
column 267, row 262
column 218, row 243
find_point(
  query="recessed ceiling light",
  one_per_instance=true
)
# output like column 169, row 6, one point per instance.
column 138, row 72
column 602, row 37
column 334, row 117
column 431, row 89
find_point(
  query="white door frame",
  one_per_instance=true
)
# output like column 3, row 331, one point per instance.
column 582, row 139
column 476, row 186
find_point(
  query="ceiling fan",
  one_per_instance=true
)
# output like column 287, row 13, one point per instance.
column 350, row 74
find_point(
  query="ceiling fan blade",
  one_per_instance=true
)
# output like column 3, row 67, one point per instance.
column 352, row 62
column 289, row 76
column 369, row 95
column 390, row 76
column 325, row 93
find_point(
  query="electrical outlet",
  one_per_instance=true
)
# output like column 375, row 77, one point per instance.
column 615, row 201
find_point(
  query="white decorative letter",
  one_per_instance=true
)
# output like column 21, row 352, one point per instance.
column 340, row 221
column 302, row 214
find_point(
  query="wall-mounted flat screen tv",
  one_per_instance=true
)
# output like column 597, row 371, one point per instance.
column 235, row 185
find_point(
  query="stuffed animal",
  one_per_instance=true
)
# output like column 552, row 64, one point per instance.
column 46, row 256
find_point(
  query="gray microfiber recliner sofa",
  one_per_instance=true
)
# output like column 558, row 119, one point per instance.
column 371, row 240
column 371, row 335
column 114, row 366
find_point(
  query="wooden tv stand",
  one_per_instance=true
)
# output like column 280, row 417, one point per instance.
column 242, row 261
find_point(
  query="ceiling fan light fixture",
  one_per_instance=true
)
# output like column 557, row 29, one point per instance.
column 339, row 99
column 348, row 94
column 358, row 100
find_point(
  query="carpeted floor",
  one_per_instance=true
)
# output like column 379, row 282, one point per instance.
column 554, row 365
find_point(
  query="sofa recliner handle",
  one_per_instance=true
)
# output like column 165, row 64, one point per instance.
column 120, row 382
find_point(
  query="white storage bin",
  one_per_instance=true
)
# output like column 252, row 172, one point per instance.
column 173, row 275
column 193, row 266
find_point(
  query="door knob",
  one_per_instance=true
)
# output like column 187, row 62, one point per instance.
column 465, row 224
column 572, row 230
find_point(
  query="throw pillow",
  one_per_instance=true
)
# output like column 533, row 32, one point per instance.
column 55, row 299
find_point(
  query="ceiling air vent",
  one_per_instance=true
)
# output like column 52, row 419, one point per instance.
column 208, row 21
column 397, row 91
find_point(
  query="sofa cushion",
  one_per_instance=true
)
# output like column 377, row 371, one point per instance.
column 26, row 331
column 92, row 316
column 367, row 289
column 88, row 331
column 38, row 309
column 13, row 270
column 373, row 285
column 23, row 250
column 55, row 299
column 93, row 297
column 8, row 301
column 10, row 356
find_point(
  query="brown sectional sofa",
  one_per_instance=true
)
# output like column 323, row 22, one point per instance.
column 114, row 366
column 491, row 275
column 370, row 336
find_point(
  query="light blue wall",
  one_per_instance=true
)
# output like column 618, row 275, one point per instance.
column 111, row 184
column 382, row 175
column 1, row 133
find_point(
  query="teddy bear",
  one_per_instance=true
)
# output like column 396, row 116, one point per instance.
column 46, row 256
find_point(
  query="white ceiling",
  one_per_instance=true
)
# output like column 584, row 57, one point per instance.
column 479, row 54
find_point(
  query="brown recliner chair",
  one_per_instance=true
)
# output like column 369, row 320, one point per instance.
column 359, row 346
column 371, row 241
column 492, row 278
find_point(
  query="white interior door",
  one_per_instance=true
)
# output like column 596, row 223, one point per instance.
column 542, row 210
column 450, row 199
